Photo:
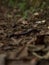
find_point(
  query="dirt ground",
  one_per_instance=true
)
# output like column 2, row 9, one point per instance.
column 20, row 38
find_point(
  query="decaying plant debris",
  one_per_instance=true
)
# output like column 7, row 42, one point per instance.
column 24, row 39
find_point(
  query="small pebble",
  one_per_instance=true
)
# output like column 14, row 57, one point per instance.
column 36, row 13
column 48, row 27
column 38, row 22
column 43, row 21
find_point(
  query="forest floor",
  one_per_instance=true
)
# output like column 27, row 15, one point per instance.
column 20, row 37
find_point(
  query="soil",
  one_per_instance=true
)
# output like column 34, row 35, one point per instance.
column 19, row 35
